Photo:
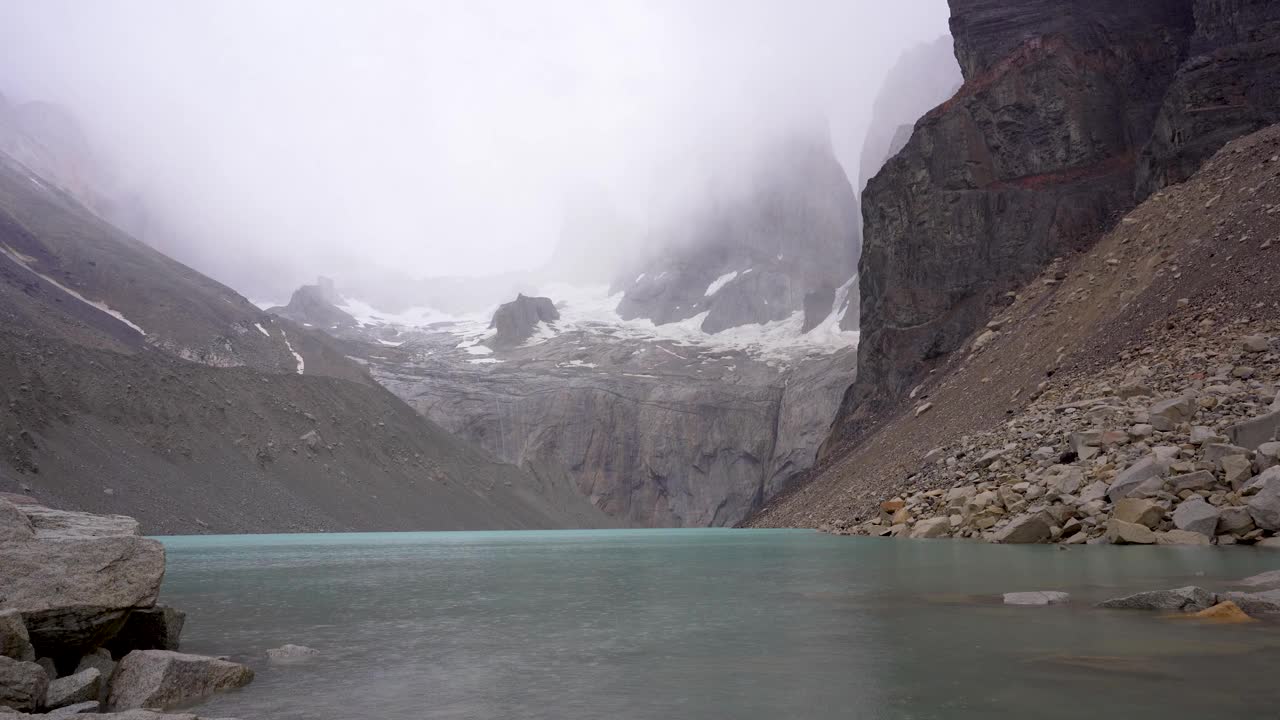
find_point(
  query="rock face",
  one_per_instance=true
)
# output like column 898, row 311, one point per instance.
column 163, row 679
column 754, row 256
column 1032, row 157
column 921, row 79
column 83, row 686
column 1230, row 87
column 515, row 322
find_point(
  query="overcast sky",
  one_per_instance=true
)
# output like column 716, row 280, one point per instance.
column 282, row 138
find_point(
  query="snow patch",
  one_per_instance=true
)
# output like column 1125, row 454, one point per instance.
column 389, row 343
column 414, row 317
column 720, row 282
column 301, row 363
column 262, row 329
column 96, row 304
column 478, row 350
column 484, row 361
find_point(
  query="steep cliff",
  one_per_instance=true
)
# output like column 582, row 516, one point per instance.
column 921, row 79
column 1070, row 113
column 1034, row 156
column 1230, row 87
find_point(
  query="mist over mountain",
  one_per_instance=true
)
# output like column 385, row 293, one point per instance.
column 394, row 139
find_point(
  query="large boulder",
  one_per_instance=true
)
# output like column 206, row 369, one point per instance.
column 1138, row 510
column 1264, row 507
column 81, row 687
column 14, row 524
column 1120, row 532
column 14, row 641
column 74, row 594
column 22, row 684
column 937, row 527
column 155, row 628
column 1183, row 599
column 163, row 679
column 1026, row 529
column 1167, row 414
column 1256, row 603
column 1253, row 433
column 1148, row 469
column 1196, row 515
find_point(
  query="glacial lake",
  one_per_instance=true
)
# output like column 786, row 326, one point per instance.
column 692, row 624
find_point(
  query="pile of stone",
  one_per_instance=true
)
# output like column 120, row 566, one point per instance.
column 80, row 629
column 1261, row 597
column 1174, row 447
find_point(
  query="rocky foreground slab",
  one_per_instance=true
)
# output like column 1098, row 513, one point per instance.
column 80, row 629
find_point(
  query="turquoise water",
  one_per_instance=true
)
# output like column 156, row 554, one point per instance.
column 737, row 624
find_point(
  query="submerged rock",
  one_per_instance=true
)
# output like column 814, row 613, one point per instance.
column 1183, row 599
column 288, row 653
column 163, row 679
column 1039, row 597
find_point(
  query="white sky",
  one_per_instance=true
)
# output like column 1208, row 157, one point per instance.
column 282, row 138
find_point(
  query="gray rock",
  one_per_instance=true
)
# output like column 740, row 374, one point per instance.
column 1252, row 433
column 100, row 660
column 1181, row 537
column 291, row 653
column 51, row 524
column 1120, row 532
column 932, row 528
column 1146, row 469
column 155, row 628
column 1199, row 480
column 163, row 679
column 1235, row 520
column 1039, row 597
column 1255, row 603
column 1094, row 491
column 14, row 642
column 83, row 708
column 1255, row 343
column 1236, row 469
column 22, row 684
column 1026, row 529
column 1271, row 578
column 1264, row 507
column 1215, row 452
column 74, row 594
column 1184, row 599
column 1167, row 414
column 14, row 524
column 1064, row 479
column 83, row 686
column 1196, row 515
column 1138, row 510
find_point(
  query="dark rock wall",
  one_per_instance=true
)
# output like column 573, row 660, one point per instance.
column 1035, row 155
column 1229, row 88
column 515, row 321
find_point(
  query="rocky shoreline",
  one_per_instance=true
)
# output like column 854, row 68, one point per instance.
column 80, row 628
column 1171, row 446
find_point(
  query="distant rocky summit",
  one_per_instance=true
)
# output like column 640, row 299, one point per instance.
column 515, row 322
column 316, row 305
column 80, row 629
